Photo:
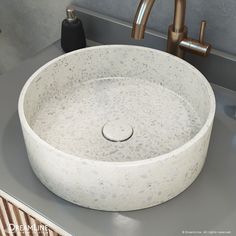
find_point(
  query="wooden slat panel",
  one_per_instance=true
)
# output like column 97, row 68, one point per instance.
column 11, row 214
column 6, row 215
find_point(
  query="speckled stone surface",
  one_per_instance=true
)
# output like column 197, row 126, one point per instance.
column 73, row 120
column 160, row 107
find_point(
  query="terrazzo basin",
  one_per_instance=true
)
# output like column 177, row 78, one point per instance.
column 117, row 127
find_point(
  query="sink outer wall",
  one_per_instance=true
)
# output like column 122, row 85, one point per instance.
column 121, row 186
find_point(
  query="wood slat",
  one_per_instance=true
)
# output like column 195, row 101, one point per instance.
column 6, row 215
column 24, row 220
column 2, row 228
column 32, row 221
column 53, row 233
column 3, row 225
column 44, row 232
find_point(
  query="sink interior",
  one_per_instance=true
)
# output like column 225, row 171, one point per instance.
column 116, row 116
column 72, row 120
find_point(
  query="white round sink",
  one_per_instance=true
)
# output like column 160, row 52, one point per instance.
column 117, row 127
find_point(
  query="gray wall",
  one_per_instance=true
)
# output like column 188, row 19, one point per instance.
column 30, row 25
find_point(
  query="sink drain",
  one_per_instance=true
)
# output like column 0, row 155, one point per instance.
column 117, row 131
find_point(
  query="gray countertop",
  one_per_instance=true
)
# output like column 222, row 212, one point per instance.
column 208, row 204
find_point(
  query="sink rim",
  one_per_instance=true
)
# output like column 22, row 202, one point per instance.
column 162, row 157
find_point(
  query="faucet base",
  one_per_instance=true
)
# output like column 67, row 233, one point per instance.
column 174, row 39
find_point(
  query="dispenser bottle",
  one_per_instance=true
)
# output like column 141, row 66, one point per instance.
column 72, row 32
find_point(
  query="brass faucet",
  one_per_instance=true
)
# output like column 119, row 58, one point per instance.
column 177, row 42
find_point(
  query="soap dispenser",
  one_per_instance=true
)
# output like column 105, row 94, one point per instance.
column 72, row 32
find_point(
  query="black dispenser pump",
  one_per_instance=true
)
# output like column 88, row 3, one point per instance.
column 72, row 32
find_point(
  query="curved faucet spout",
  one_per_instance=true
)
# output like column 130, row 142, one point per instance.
column 141, row 18
column 143, row 12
